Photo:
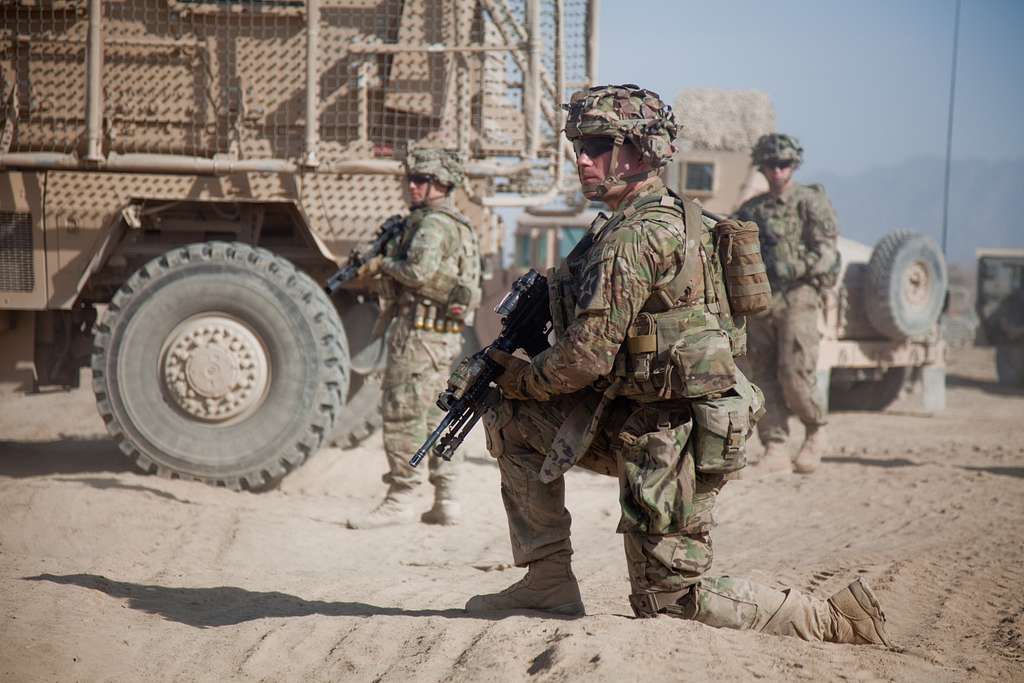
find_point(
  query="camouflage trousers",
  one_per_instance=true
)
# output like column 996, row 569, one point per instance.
column 667, row 512
column 782, row 357
column 418, row 365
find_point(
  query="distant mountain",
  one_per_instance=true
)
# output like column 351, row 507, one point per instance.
column 986, row 203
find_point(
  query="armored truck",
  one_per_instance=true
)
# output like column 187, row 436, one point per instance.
column 179, row 177
column 1000, row 308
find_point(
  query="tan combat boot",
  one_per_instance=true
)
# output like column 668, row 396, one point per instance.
column 396, row 508
column 857, row 617
column 549, row 586
column 446, row 510
column 815, row 443
column 774, row 461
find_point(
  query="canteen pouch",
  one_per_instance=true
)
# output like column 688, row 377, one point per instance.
column 746, row 278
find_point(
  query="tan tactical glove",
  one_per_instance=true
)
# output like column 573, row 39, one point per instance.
column 372, row 267
column 513, row 381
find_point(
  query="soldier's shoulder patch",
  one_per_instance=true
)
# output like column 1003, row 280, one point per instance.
column 593, row 294
column 818, row 188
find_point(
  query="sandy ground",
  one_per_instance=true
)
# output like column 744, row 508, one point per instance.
column 107, row 574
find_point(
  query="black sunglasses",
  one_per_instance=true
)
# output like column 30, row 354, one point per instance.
column 420, row 179
column 777, row 164
column 593, row 147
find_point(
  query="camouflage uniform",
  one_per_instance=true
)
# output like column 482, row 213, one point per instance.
column 798, row 244
column 640, row 384
column 430, row 286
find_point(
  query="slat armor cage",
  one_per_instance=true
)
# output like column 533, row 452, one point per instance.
column 316, row 86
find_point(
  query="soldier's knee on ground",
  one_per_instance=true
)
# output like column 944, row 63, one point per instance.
column 666, row 564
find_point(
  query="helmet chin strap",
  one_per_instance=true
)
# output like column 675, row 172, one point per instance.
column 613, row 179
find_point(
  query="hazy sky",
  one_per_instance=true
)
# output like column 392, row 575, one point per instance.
column 862, row 83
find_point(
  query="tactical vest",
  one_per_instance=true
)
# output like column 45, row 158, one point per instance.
column 453, row 291
column 682, row 343
column 782, row 243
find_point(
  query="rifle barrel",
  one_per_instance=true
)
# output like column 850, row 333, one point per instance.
column 421, row 453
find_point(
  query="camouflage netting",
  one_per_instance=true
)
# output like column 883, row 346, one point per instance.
column 724, row 120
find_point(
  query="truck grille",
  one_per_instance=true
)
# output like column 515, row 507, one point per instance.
column 16, row 271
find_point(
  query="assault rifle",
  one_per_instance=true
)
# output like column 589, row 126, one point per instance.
column 389, row 230
column 525, row 323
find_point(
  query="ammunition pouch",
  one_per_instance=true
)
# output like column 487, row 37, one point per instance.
column 424, row 314
column 722, row 425
column 676, row 354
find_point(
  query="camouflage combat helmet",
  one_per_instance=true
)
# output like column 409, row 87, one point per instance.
column 624, row 113
column 777, row 147
column 443, row 165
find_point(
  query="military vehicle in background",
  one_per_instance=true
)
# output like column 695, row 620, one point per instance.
column 880, row 337
column 179, row 177
column 1000, row 308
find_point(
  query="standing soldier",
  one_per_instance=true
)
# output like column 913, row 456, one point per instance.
column 798, row 244
column 640, row 384
column 430, row 282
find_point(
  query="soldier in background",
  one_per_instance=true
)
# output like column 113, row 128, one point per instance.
column 430, row 285
column 798, row 244
column 640, row 384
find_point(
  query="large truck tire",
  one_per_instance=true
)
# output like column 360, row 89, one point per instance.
column 905, row 286
column 1010, row 365
column 220, row 362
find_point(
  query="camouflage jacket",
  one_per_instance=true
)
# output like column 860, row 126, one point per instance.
column 437, row 250
column 798, row 235
column 614, row 276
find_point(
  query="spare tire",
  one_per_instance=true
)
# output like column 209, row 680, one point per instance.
column 905, row 286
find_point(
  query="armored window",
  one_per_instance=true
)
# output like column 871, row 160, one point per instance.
column 700, row 176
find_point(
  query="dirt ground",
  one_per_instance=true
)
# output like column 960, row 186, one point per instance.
column 108, row 574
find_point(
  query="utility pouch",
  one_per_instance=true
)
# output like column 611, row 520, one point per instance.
column 702, row 364
column 722, row 425
column 720, row 436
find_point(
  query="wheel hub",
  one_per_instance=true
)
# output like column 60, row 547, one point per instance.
column 215, row 368
column 917, row 285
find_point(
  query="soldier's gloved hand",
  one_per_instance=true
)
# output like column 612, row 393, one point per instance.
column 511, row 381
column 372, row 267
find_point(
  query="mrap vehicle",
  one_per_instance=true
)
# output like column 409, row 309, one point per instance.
column 179, row 177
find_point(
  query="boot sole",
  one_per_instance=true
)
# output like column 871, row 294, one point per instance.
column 863, row 594
column 572, row 609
